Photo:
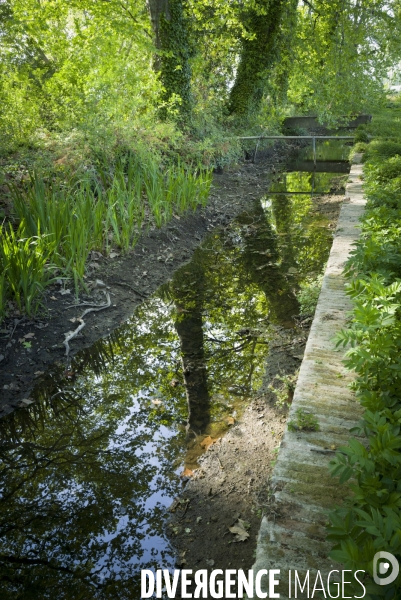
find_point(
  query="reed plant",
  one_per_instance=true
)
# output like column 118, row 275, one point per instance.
column 154, row 186
column 62, row 223
column 27, row 269
column 78, row 240
column 42, row 208
column 125, row 209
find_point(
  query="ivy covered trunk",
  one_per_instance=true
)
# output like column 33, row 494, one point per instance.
column 172, row 58
column 258, row 55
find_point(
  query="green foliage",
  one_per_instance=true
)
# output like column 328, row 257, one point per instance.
column 175, row 68
column 380, row 149
column 304, row 421
column 258, row 54
column 370, row 520
column 103, row 210
column 359, row 147
column 285, row 390
column 389, row 169
column 337, row 71
column 25, row 268
column 309, row 294
column 361, row 136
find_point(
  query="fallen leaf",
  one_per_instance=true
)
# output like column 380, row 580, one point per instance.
column 64, row 292
column 239, row 530
column 113, row 254
column 53, row 298
column 230, row 420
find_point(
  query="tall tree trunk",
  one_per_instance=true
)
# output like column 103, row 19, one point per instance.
column 258, row 55
column 172, row 56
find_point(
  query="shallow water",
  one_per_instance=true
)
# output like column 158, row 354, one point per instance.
column 89, row 470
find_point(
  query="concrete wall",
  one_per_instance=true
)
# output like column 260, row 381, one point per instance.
column 292, row 534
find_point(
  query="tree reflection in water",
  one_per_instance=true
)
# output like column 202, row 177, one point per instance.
column 88, row 471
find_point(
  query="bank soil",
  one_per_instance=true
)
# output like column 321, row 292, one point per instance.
column 215, row 522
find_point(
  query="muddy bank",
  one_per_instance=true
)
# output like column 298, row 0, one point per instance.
column 29, row 347
column 215, row 522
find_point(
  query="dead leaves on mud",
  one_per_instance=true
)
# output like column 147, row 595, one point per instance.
column 239, row 530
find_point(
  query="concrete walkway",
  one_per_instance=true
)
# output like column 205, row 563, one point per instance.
column 292, row 536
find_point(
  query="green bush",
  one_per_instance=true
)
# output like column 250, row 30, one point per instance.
column 370, row 520
column 304, row 421
column 360, row 147
column 361, row 136
column 389, row 169
column 382, row 149
column 309, row 294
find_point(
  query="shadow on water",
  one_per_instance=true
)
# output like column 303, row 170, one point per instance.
column 89, row 470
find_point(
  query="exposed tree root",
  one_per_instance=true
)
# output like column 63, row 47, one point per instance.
column 70, row 335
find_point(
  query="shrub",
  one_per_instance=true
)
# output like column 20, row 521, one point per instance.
column 309, row 294
column 382, row 149
column 361, row 136
column 390, row 169
column 370, row 520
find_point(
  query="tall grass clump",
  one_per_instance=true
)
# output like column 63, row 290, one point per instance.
column 26, row 268
column 105, row 208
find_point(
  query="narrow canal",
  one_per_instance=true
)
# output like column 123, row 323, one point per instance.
column 90, row 469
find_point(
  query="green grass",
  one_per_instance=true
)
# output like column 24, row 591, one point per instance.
column 104, row 209
column 304, row 421
column 26, row 268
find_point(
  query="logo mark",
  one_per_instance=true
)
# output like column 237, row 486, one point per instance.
column 384, row 567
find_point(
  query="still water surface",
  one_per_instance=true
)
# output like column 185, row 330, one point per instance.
column 89, row 470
